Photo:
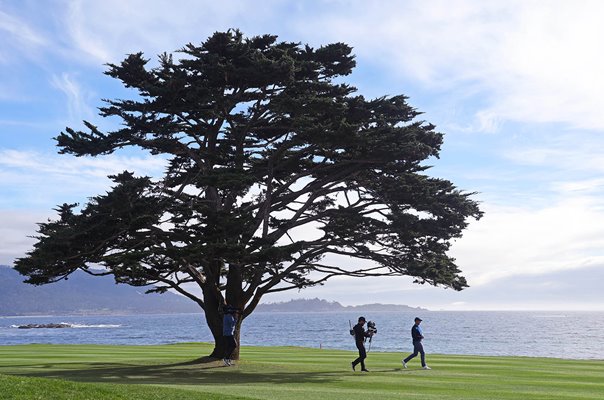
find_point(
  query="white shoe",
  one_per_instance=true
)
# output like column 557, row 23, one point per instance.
column 426, row 367
column 404, row 364
column 226, row 362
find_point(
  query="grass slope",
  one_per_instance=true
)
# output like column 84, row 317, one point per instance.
column 177, row 372
column 26, row 388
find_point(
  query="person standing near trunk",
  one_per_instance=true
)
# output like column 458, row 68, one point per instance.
column 229, row 322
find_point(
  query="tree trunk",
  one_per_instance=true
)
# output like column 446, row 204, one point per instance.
column 235, row 354
column 212, row 311
column 214, row 321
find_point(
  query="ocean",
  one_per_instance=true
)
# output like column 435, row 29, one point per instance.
column 572, row 335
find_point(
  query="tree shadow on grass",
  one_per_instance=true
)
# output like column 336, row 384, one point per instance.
column 195, row 372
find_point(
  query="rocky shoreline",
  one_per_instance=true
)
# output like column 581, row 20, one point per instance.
column 37, row 326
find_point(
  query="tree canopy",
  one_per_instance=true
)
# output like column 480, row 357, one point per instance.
column 278, row 176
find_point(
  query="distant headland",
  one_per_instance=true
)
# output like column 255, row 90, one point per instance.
column 319, row 305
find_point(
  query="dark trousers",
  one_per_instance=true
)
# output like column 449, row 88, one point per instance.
column 362, row 355
column 229, row 346
column 417, row 348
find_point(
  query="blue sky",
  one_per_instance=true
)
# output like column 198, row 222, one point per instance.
column 516, row 86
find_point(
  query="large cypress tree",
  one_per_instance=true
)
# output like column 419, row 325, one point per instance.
column 278, row 177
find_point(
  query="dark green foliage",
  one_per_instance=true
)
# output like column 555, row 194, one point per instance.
column 261, row 143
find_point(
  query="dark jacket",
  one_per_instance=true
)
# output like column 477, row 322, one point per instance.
column 359, row 333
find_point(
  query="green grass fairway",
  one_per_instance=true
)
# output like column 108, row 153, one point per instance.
column 177, row 372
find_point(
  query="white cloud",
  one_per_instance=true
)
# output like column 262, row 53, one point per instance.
column 531, row 60
column 18, row 37
column 21, row 43
column 587, row 186
column 40, row 180
column 77, row 166
column 15, row 230
column 571, row 153
column 111, row 29
column 566, row 235
column 77, row 99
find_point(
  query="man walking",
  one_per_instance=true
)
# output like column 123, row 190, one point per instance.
column 359, row 339
column 417, row 336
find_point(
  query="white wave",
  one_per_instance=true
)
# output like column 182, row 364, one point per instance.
column 91, row 326
column 68, row 325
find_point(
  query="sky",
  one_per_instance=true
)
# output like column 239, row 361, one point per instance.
column 516, row 87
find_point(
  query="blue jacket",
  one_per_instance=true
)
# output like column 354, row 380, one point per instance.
column 228, row 325
column 416, row 333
